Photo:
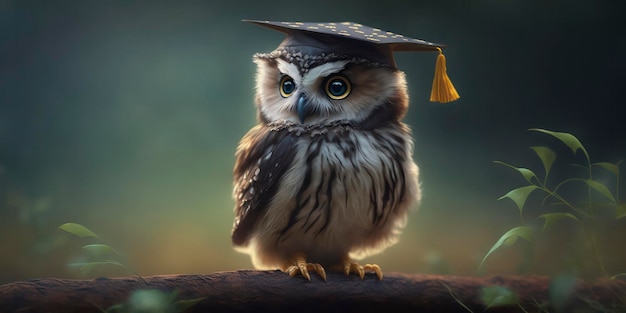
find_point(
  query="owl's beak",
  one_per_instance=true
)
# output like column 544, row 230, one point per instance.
column 302, row 108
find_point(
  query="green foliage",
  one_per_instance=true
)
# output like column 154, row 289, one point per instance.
column 152, row 301
column 528, row 174
column 547, row 157
column 140, row 301
column 602, row 189
column 551, row 218
column 99, row 249
column 613, row 168
column 568, row 139
column 490, row 296
column 616, row 276
column 88, row 267
column 493, row 296
column 509, row 238
column 78, row 230
column 620, row 211
column 559, row 205
column 97, row 255
column 519, row 196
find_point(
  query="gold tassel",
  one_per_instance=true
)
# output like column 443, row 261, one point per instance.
column 443, row 91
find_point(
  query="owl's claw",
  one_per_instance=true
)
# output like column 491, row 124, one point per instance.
column 302, row 267
column 350, row 267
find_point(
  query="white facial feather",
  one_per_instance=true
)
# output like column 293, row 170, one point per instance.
column 290, row 69
column 371, row 87
column 318, row 73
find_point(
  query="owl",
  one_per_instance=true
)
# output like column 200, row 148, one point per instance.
column 327, row 175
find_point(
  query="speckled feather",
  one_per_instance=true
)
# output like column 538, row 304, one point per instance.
column 262, row 158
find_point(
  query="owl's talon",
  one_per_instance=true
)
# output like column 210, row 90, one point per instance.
column 351, row 267
column 302, row 267
column 320, row 271
column 374, row 268
column 294, row 270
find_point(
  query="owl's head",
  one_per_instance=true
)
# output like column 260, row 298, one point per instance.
column 338, row 71
column 310, row 89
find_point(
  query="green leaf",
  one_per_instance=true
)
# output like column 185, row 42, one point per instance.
column 497, row 296
column 78, row 230
column 551, row 218
column 620, row 211
column 100, row 249
column 519, row 195
column 601, row 188
column 100, row 308
column 182, row 305
column 87, row 267
column 528, row 174
column 613, row 168
column 568, row 139
column 115, row 308
column 618, row 275
column 509, row 238
column 547, row 157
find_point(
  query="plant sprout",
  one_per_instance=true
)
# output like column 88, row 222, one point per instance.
column 98, row 254
column 141, row 300
column 559, row 205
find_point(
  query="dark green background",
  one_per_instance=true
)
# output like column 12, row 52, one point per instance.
column 124, row 116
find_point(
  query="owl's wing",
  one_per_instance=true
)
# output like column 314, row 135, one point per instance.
column 263, row 157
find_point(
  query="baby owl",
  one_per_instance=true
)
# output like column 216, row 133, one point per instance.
column 327, row 175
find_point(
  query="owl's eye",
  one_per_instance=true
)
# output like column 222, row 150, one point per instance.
column 286, row 86
column 337, row 87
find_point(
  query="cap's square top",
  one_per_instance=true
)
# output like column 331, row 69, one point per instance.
column 354, row 31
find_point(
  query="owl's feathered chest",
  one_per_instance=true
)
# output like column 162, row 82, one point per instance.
column 308, row 173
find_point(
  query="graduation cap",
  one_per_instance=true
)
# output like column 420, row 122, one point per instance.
column 356, row 40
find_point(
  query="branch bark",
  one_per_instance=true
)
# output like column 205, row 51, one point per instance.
column 265, row 291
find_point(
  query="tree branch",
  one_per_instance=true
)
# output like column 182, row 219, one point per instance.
column 274, row 291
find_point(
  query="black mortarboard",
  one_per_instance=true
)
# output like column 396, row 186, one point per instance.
column 357, row 40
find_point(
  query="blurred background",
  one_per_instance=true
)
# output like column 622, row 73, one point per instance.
column 124, row 116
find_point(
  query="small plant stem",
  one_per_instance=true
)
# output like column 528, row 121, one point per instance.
column 617, row 184
column 140, row 278
column 591, row 209
column 558, row 197
column 590, row 233
column 99, row 307
column 453, row 295
column 596, row 252
column 522, row 308
column 136, row 274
